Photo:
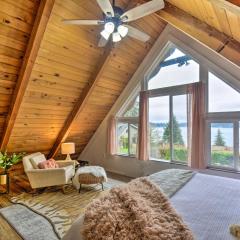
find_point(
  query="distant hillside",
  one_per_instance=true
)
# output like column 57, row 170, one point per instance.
column 214, row 125
column 162, row 125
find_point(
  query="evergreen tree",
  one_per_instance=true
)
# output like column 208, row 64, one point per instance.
column 219, row 140
column 177, row 133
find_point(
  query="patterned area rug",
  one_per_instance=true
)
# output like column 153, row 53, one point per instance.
column 63, row 209
column 28, row 224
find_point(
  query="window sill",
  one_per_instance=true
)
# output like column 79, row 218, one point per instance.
column 125, row 156
column 222, row 169
column 169, row 162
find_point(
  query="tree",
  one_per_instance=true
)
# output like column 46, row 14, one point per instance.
column 219, row 140
column 177, row 133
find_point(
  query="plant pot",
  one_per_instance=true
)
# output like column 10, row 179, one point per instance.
column 3, row 179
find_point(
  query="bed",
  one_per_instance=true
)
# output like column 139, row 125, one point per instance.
column 208, row 205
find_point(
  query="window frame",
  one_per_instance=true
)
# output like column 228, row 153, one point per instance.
column 235, row 123
column 128, row 121
column 208, row 59
column 120, row 118
column 170, row 92
column 160, row 58
column 222, row 117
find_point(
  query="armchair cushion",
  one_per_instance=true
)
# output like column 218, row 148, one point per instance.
column 65, row 163
column 35, row 160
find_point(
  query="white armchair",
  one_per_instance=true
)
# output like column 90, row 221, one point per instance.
column 40, row 178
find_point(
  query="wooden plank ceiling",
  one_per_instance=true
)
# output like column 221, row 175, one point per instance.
column 16, row 18
column 220, row 14
column 65, row 64
column 68, row 58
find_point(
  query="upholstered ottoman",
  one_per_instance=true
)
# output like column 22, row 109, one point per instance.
column 89, row 175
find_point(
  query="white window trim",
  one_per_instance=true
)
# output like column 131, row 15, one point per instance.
column 235, row 143
column 130, row 99
column 209, row 61
column 132, row 121
column 171, row 92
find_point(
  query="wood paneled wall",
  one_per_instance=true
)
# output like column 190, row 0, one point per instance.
column 16, row 22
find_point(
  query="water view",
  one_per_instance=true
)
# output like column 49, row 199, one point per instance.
column 221, row 143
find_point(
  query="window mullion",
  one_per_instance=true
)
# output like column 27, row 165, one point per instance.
column 236, row 144
column 171, row 127
column 128, row 139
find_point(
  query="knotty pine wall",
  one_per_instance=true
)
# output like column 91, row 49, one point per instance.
column 16, row 22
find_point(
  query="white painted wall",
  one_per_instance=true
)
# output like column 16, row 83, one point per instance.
column 96, row 150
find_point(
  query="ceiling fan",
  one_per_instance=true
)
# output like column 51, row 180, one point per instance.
column 115, row 19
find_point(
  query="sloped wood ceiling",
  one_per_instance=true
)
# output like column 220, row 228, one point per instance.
column 16, row 22
column 220, row 14
column 65, row 64
column 68, row 58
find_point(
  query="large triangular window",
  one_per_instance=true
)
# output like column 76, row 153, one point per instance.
column 175, row 68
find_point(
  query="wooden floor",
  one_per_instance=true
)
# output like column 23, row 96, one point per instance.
column 18, row 185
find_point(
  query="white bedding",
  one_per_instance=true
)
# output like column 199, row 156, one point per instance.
column 208, row 205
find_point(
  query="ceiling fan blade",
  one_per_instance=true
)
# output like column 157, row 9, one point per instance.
column 106, row 7
column 102, row 42
column 142, row 10
column 83, row 22
column 137, row 34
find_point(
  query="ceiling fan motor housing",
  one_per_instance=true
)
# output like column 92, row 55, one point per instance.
column 116, row 19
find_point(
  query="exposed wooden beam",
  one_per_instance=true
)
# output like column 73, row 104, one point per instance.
column 211, row 37
column 39, row 27
column 227, row 5
column 87, row 91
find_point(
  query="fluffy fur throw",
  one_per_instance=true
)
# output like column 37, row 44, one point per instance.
column 135, row 211
column 235, row 230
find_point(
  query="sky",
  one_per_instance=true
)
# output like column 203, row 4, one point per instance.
column 221, row 96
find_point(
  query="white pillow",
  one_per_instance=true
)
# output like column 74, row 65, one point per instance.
column 36, row 160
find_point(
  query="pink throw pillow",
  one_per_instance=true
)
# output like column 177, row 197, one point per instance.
column 50, row 163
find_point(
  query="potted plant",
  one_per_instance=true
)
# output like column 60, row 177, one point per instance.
column 6, row 162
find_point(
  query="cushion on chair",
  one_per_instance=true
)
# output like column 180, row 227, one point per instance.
column 89, row 175
column 50, row 163
column 35, row 160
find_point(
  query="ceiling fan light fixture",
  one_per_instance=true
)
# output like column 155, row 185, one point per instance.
column 116, row 37
column 109, row 27
column 122, row 30
column 105, row 34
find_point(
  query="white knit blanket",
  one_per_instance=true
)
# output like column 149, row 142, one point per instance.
column 94, row 170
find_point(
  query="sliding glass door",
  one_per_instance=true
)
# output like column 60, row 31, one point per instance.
column 168, row 127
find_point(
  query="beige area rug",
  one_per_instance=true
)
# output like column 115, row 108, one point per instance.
column 63, row 209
